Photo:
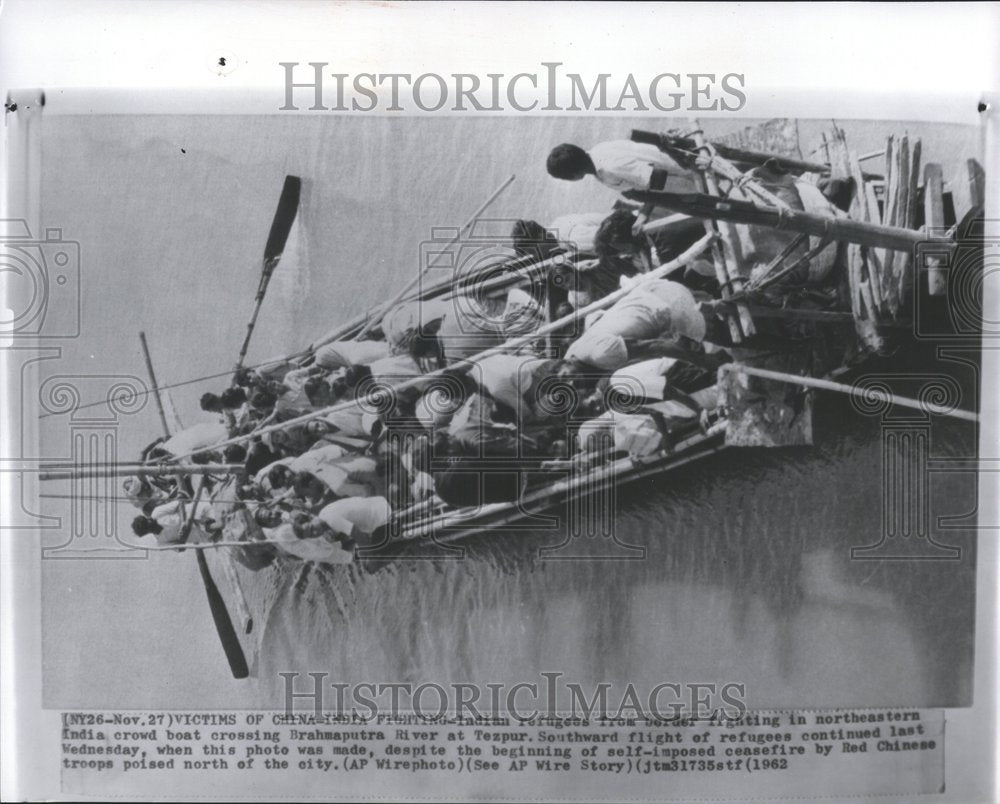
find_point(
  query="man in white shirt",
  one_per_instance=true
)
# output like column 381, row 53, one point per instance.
column 341, row 354
column 578, row 230
column 621, row 165
column 306, row 546
column 347, row 476
column 314, row 460
column 356, row 518
column 196, row 437
column 458, row 329
column 166, row 522
column 650, row 428
column 294, row 401
column 653, row 308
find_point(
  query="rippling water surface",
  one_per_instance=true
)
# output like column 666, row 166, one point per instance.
column 747, row 579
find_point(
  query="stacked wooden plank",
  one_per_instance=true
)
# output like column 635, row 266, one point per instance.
column 881, row 280
column 894, row 269
column 727, row 255
column 862, row 282
column 937, row 279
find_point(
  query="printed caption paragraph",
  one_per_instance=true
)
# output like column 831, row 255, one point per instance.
column 846, row 750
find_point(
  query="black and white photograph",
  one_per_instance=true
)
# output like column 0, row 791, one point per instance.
column 613, row 414
column 625, row 434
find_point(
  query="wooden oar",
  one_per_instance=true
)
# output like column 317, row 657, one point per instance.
column 220, row 614
column 152, row 379
column 217, row 604
column 281, row 226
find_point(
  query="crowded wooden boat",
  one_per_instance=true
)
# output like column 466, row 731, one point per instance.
column 725, row 287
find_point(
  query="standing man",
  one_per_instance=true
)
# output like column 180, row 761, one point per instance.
column 621, row 165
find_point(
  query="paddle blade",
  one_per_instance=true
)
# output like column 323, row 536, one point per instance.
column 284, row 217
column 223, row 622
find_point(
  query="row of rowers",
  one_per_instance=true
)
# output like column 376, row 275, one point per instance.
column 639, row 373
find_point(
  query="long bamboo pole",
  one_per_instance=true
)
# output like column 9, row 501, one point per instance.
column 408, row 288
column 577, row 315
column 736, row 154
column 851, row 390
column 515, row 277
column 841, row 229
column 127, row 470
column 727, row 254
column 152, row 381
column 517, row 270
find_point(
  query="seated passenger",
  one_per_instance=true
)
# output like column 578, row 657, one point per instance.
column 312, row 493
column 195, row 438
column 292, row 398
column 268, row 372
column 259, row 456
column 275, row 477
column 294, row 439
column 342, row 354
column 313, row 459
column 346, row 476
column 474, row 432
column 509, row 380
column 651, row 428
column 660, row 378
column 240, row 526
column 436, row 406
column 651, row 309
column 488, row 464
column 448, row 331
column 616, row 240
column 166, row 522
column 355, row 519
column 300, row 539
column 587, row 281
column 139, row 491
column 573, row 233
